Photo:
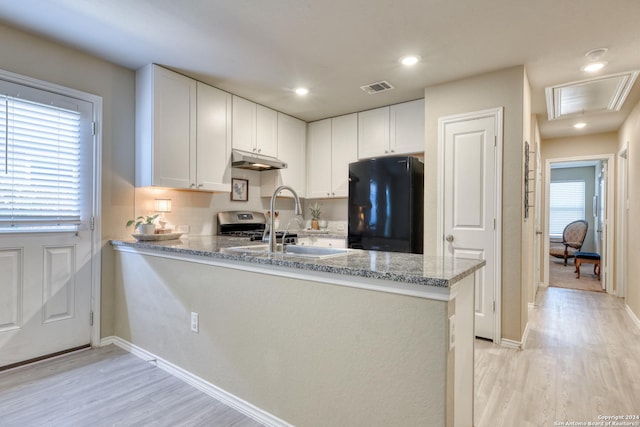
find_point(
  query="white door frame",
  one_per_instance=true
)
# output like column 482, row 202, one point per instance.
column 96, row 236
column 610, row 223
column 496, row 113
column 622, row 224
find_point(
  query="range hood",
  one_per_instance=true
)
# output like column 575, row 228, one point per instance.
column 245, row 160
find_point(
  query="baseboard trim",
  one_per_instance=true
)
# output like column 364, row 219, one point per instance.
column 632, row 315
column 518, row 345
column 206, row 387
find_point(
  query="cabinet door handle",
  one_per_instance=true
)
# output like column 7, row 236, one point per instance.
column 199, row 185
column 449, row 238
column 192, row 185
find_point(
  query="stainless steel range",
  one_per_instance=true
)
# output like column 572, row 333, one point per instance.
column 248, row 224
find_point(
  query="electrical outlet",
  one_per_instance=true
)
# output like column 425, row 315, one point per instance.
column 195, row 322
column 452, row 331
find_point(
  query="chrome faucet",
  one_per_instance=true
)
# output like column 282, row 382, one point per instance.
column 297, row 211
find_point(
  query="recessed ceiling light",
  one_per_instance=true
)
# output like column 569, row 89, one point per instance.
column 594, row 66
column 410, row 60
column 579, row 125
column 302, row 91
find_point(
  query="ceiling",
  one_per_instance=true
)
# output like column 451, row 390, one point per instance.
column 263, row 49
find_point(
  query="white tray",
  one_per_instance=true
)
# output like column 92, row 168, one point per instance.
column 156, row 237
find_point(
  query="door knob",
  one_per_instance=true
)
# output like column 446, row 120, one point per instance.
column 449, row 238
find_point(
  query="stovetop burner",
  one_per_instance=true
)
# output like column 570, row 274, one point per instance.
column 248, row 224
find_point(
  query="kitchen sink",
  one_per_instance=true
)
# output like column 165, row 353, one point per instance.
column 314, row 251
column 293, row 250
column 250, row 249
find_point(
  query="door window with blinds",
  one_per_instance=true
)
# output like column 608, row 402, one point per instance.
column 566, row 204
column 46, row 160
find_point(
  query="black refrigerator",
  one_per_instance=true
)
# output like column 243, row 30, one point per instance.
column 386, row 204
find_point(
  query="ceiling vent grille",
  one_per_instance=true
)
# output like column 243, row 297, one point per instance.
column 598, row 95
column 377, row 87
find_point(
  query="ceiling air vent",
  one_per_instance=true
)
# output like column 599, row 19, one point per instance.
column 377, row 87
column 597, row 95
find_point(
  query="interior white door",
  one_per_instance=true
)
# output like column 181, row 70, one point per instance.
column 469, row 207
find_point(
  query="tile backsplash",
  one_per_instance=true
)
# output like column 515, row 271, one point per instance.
column 197, row 209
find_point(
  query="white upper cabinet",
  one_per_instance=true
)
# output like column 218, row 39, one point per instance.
column 397, row 129
column 319, row 159
column 267, row 131
column 331, row 145
column 373, row 132
column 165, row 128
column 182, row 135
column 255, row 128
column 344, row 150
column 213, row 157
column 292, row 135
column 406, row 127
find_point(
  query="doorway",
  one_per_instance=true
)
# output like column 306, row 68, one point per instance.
column 49, row 232
column 470, row 147
column 598, row 211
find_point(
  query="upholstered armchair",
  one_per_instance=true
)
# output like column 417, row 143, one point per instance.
column 572, row 240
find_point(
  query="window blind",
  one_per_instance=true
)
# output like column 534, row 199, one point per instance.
column 566, row 204
column 40, row 164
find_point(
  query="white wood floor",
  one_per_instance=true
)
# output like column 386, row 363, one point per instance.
column 106, row 387
column 581, row 362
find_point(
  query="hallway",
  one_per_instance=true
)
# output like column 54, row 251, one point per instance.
column 581, row 362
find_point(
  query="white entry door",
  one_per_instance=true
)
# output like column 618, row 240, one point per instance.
column 46, row 210
column 469, row 221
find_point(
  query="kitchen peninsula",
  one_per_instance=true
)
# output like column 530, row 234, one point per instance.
column 361, row 338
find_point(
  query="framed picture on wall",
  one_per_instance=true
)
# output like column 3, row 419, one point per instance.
column 239, row 189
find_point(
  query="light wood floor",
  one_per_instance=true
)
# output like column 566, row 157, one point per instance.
column 581, row 360
column 105, row 387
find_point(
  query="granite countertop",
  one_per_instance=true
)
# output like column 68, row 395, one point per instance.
column 415, row 269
